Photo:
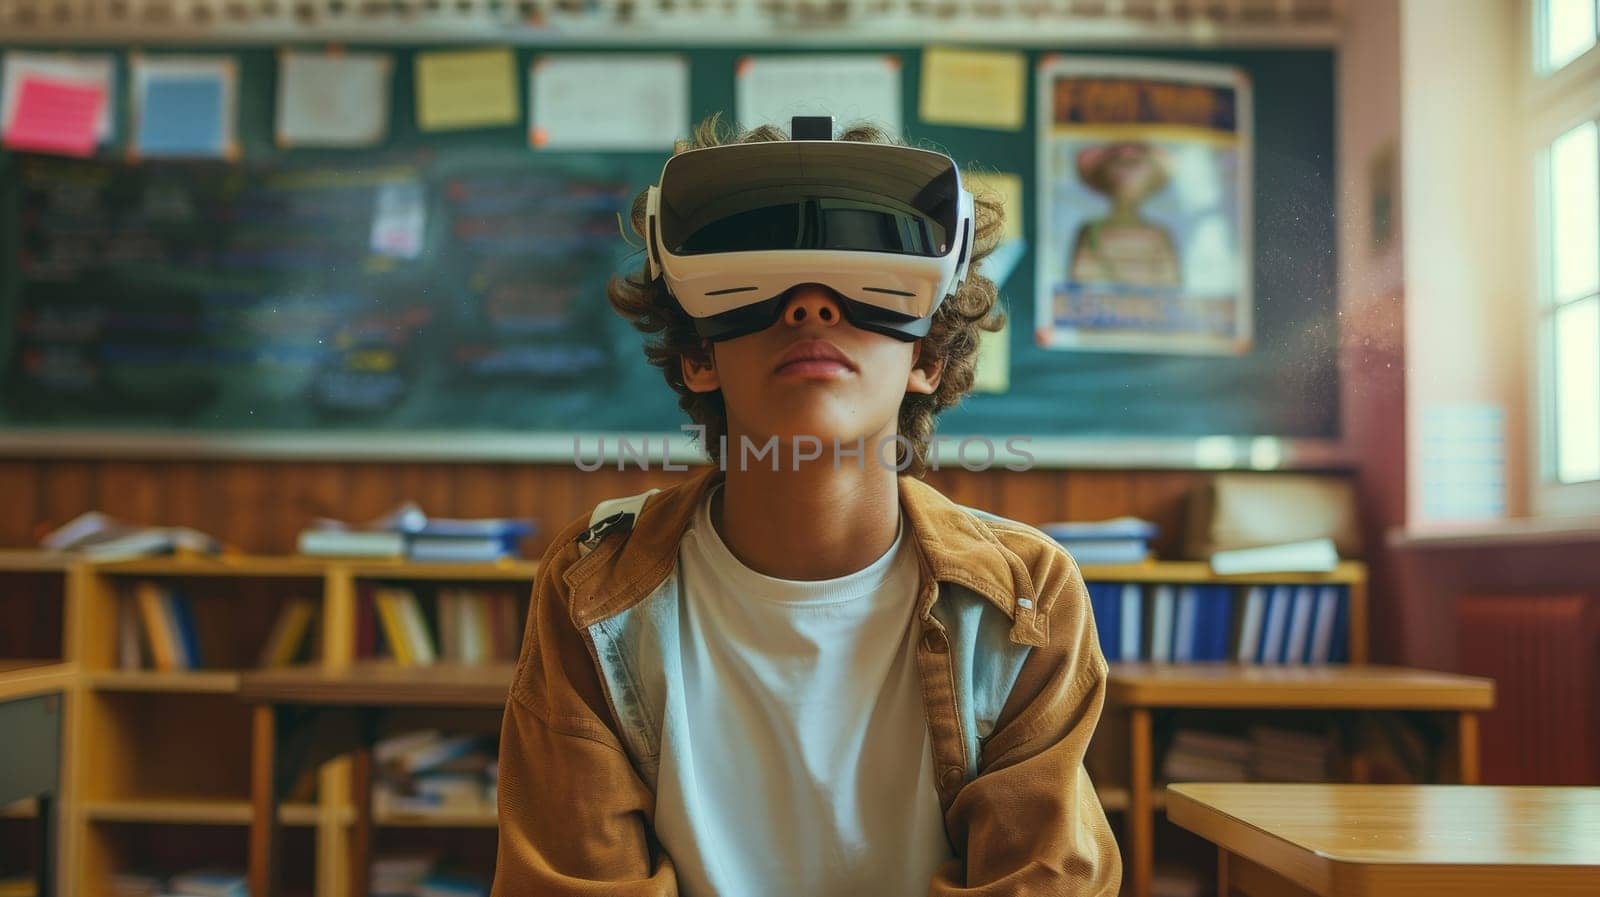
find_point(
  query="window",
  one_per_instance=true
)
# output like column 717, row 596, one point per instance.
column 1569, row 318
column 1566, row 30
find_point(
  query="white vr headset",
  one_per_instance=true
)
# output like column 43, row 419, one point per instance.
column 733, row 229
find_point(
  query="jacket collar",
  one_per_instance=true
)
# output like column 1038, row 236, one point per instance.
column 952, row 544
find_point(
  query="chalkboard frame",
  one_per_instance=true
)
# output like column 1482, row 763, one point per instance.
column 1217, row 451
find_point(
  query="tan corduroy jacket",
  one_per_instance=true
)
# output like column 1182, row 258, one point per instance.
column 1012, row 679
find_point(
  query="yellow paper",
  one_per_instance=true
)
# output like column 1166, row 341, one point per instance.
column 465, row 89
column 994, row 361
column 978, row 88
column 1005, row 187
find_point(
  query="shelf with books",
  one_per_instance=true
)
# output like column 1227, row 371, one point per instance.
column 1173, row 612
column 450, row 621
column 137, row 855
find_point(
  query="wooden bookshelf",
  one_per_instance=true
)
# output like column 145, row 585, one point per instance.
column 137, row 781
column 136, row 778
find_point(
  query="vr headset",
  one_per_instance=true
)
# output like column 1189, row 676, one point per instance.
column 733, row 229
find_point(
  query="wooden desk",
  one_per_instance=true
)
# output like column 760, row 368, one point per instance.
column 31, row 692
column 305, row 716
column 1144, row 688
column 1396, row 840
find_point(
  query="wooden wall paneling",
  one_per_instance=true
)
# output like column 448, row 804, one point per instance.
column 19, row 501
column 250, row 500
column 965, row 487
column 1161, row 497
column 370, row 490
column 1030, row 496
column 549, row 495
column 1098, row 494
column 192, row 495
column 131, row 491
column 67, row 489
column 484, row 490
column 431, row 486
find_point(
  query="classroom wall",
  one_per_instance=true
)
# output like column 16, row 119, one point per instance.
column 1371, row 298
column 260, row 506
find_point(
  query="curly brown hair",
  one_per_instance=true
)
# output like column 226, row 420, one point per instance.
column 952, row 340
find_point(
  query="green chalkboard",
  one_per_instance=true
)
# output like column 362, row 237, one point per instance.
column 453, row 283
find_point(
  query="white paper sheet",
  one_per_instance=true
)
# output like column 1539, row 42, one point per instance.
column 774, row 89
column 588, row 101
column 333, row 99
column 84, row 69
column 398, row 220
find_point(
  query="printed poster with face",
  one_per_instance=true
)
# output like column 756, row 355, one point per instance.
column 1144, row 204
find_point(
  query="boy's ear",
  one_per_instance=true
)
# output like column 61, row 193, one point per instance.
column 924, row 378
column 700, row 369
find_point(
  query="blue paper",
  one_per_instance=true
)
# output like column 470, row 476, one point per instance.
column 181, row 116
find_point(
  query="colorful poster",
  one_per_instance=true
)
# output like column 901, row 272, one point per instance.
column 1144, row 207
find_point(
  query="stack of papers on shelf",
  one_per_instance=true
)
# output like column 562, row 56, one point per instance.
column 397, row 874
column 101, row 537
column 437, row 885
column 384, row 537
column 1121, row 540
column 1197, row 756
column 428, row 773
column 208, row 883
column 408, row 532
column 489, row 539
column 1282, row 755
column 1310, row 556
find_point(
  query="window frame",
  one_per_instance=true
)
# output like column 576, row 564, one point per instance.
column 1552, row 103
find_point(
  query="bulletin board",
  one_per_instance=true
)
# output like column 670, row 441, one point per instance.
column 281, row 323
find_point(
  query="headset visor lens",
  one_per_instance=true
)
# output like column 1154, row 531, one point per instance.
column 859, row 197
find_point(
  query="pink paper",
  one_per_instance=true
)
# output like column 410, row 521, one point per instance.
column 55, row 117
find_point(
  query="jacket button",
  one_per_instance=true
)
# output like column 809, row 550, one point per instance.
column 935, row 641
column 951, row 778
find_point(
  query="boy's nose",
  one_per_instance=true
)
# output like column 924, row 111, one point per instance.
column 812, row 303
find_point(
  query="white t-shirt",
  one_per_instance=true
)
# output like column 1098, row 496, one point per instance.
column 794, row 756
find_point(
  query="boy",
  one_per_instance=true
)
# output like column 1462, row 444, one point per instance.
column 800, row 672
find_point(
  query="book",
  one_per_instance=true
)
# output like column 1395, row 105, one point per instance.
column 1250, row 621
column 415, row 628
column 1311, row 556
column 131, row 652
column 209, row 883
column 385, row 601
column 476, row 645
column 1132, row 614
column 1106, row 606
column 288, row 633
column 158, row 630
column 181, row 613
column 1322, row 628
column 1273, row 633
column 1161, row 619
column 101, row 537
column 1299, row 632
column 1121, row 540
column 1186, row 625
column 328, row 542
